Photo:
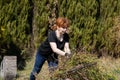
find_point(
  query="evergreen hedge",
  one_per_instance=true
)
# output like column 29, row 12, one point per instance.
column 25, row 23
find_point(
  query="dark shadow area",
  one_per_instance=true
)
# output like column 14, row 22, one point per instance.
column 98, row 10
column 13, row 50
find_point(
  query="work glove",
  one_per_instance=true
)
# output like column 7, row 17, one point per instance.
column 67, row 55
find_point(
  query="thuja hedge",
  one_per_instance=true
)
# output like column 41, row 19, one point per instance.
column 24, row 24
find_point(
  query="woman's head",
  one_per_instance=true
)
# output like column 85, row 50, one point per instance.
column 61, row 23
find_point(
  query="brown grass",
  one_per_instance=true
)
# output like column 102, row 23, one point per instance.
column 110, row 66
column 24, row 74
column 106, row 64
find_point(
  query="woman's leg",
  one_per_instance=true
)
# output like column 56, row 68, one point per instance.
column 52, row 62
column 52, row 66
column 39, row 61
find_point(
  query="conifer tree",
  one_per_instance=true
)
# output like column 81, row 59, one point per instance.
column 14, row 19
column 24, row 22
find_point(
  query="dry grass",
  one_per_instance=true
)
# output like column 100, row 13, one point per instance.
column 110, row 66
column 24, row 74
column 107, row 65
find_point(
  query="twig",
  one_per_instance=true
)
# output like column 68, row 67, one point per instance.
column 78, row 67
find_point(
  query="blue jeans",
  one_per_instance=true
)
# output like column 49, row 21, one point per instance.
column 39, row 61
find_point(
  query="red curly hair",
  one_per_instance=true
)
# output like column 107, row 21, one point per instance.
column 61, row 22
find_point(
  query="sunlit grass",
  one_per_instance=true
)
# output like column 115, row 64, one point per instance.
column 25, row 74
column 107, row 65
column 110, row 66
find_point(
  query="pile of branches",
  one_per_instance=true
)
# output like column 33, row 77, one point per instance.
column 79, row 67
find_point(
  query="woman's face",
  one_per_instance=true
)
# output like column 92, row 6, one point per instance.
column 62, row 30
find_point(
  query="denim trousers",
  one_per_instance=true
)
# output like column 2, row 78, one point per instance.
column 39, row 61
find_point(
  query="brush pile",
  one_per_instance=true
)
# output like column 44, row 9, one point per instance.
column 80, row 66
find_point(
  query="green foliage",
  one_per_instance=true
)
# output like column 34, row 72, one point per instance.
column 83, row 19
column 89, row 22
column 14, row 27
column 89, row 72
column 41, row 14
column 25, row 23
column 113, row 42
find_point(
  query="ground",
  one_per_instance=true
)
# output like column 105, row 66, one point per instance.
column 24, row 74
column 107, row 64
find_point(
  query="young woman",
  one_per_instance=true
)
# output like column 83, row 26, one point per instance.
column 57, row 43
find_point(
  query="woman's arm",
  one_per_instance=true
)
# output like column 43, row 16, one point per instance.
column 66, row 48
column 56, row 50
